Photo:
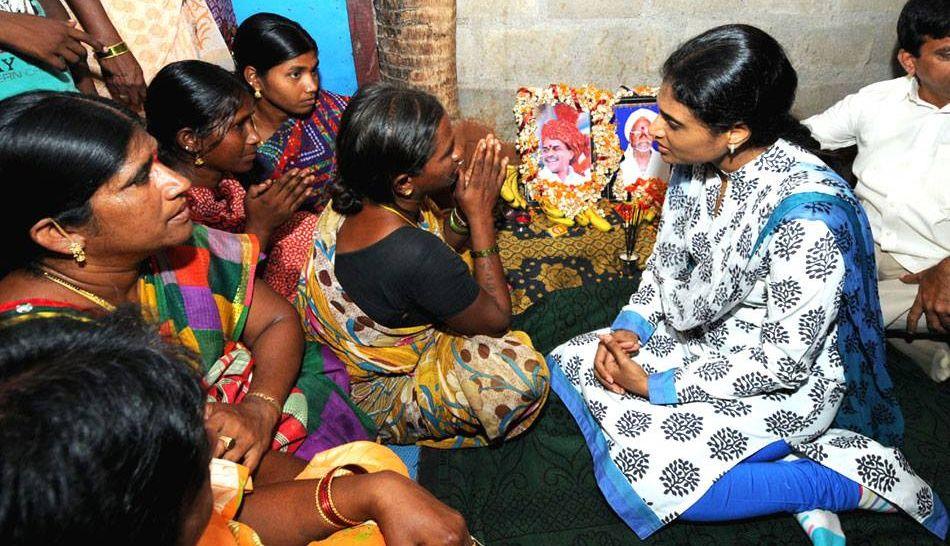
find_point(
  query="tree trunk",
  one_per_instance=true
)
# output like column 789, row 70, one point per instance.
column 416, row 40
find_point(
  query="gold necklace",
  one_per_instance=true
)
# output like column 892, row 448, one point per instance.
column 722, row 192
column 400, row 214
column 77, row 290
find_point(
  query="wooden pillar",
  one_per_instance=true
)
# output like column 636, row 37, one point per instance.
column 363, row 37
column 416, row 40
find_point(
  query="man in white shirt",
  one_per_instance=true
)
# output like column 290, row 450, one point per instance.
column 902, row 130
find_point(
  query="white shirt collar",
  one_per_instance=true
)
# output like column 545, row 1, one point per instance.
column 913, row 94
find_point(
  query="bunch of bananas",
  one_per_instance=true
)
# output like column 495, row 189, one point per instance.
column 512, row 195
column 509, row 189
column 587, row 217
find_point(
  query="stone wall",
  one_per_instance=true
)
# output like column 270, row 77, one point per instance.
column 837, row 46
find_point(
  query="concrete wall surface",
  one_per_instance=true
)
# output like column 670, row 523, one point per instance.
column 837, row 46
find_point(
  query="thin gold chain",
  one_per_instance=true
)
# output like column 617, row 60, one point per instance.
column 399, row 214
column 76, row 290
column 722, row 192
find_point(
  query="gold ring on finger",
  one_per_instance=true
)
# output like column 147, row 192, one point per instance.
column 227, row 441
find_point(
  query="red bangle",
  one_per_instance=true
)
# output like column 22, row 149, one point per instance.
column 325, row 505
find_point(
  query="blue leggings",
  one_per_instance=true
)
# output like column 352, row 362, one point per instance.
column 762, row 485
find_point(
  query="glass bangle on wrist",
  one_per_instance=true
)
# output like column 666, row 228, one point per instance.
column 457, row 225
column 459, row 218
column 323, row 498
column 490, row 251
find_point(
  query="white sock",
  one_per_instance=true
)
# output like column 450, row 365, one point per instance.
column 874, row 502
column 822, row 527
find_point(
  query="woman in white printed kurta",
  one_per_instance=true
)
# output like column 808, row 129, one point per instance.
column 756, row 325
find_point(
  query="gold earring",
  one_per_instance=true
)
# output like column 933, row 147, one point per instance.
column 198, row 161
column 732, row 149
column 257, row 94
column 406, row 193
column 79, row 254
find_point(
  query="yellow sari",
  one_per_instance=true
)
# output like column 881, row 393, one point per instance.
column 421, row 384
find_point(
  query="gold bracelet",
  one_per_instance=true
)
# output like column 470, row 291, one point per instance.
column 490, row 251
column 113, row 51
column 270, row 400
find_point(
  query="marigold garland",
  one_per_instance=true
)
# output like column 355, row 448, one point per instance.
column 571, row 200
column 605, row 148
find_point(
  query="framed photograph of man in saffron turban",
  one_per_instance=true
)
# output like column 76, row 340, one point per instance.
column 564, row 153
column 568, row 151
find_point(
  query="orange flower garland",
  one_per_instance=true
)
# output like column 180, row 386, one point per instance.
column 569, row 199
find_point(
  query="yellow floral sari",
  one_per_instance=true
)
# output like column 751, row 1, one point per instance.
column 421, row 384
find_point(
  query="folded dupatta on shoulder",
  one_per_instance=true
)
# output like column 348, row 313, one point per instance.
column 199, row 293
column 869, row 406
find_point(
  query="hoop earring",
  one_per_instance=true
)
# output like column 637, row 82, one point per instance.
column 79, row 254
column 257, row 94
column 732, row 149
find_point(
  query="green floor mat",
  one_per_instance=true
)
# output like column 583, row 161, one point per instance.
column 539, row 489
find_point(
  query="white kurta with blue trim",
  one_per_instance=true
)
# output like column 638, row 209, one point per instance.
column 768, row 369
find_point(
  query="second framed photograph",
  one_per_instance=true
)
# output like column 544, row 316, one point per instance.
column 641, row 158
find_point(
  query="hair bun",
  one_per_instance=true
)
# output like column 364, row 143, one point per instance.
column 346, row 200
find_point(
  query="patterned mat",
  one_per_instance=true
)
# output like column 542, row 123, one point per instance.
column 539, row 489
column 538, row 264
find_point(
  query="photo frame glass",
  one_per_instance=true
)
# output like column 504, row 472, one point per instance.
column 641, row 157
column 564, row 144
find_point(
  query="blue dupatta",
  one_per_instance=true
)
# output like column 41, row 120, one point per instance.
column 869, row 406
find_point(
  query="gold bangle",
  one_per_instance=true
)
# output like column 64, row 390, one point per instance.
column 490, row 251
column 113, row 51
column 270, row 400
